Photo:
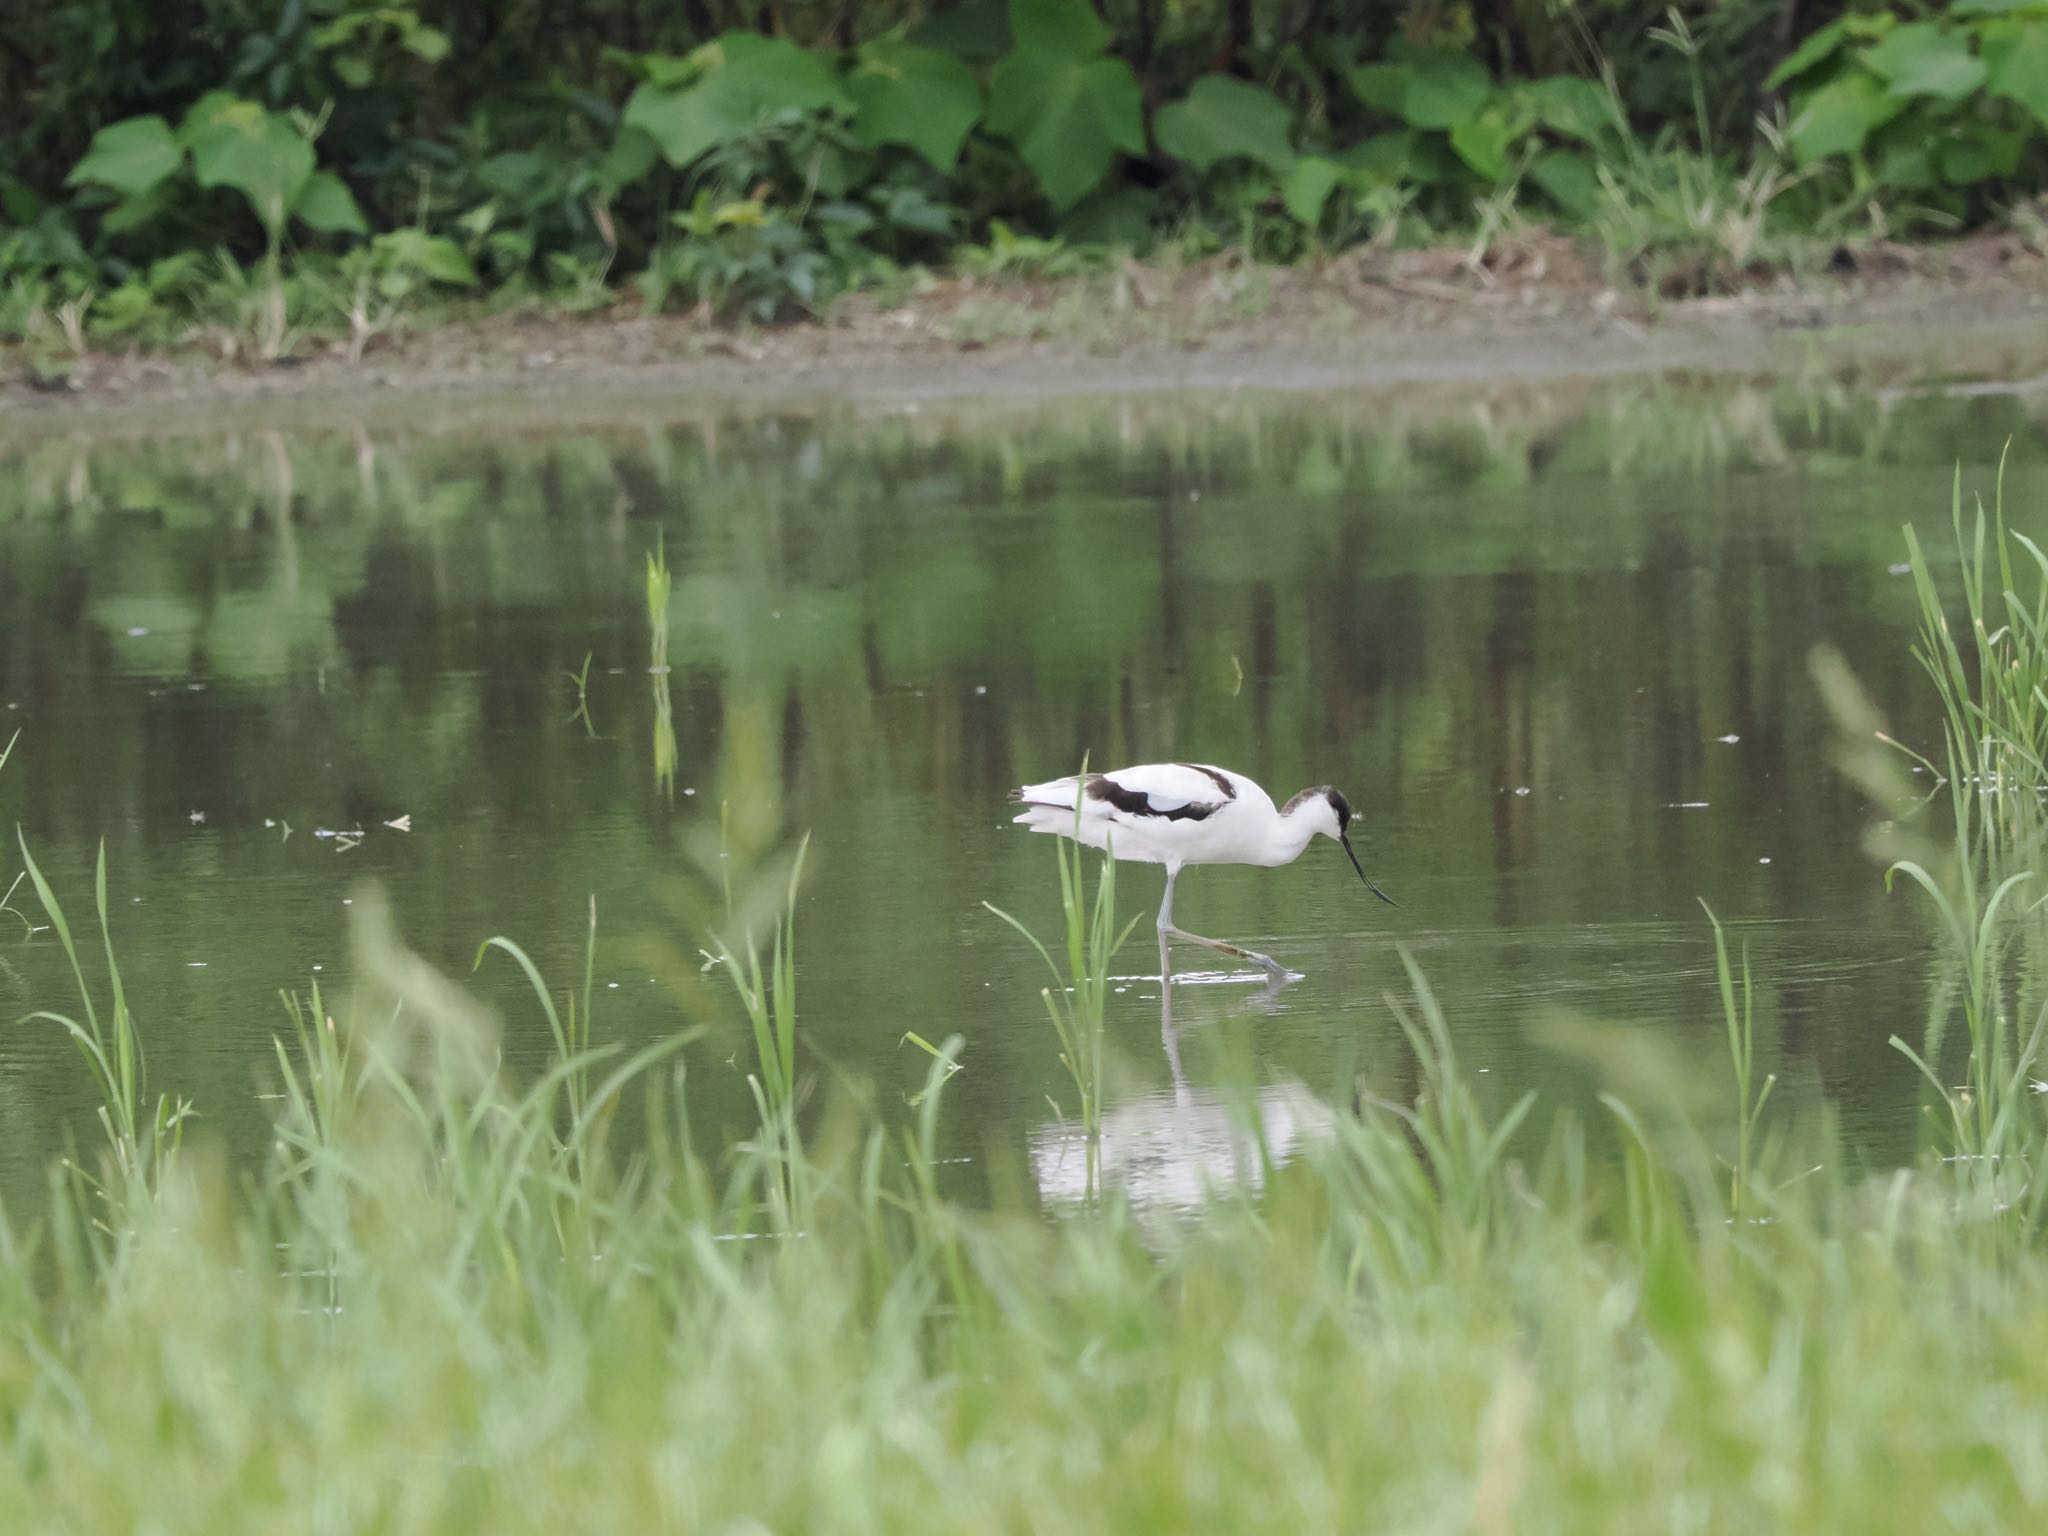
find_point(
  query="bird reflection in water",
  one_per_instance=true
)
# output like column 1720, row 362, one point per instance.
column 1170, row 1152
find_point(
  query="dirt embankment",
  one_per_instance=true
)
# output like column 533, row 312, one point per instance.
column 1534, row 308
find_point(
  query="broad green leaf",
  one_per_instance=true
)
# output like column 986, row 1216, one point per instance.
column 683, row 124
column 1568, row 179
column 1226, row 119
column 260, row 154
column 442, row 260
column 1907, row 164
column 518, row 174
column 134, row 211
column 667, row 70
column 1067, row 116
column 432, row 256
column 631, row 156
column 130, row 156
column 2018, row 60
column 910, row 208
column 1979, row 152
column 776, row 74
column 1818, row 47
column 326, row 204
column 429, row 43
column 746, row 78
column 1483, row 140
column 1965, row 162
column 913, row 96
column 207, row 110
column 1306, row 191
column 1383, row 87
column 364, row 27
column 1068, row 27
column 1569, row 105
column 1994, row 7
column 1427, row 88
column 1837, row 118
column 1925, row 60
column 1385, row 158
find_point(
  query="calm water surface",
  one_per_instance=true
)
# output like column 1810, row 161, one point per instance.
column 1553, row 648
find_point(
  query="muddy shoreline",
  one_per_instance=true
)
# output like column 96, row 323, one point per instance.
column 1469, row 334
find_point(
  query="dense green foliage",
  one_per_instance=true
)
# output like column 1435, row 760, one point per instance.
column 760, row 159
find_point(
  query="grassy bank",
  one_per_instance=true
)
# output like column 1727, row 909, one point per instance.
column 449, row 1300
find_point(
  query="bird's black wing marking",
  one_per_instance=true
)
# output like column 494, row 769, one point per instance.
column 1133, row 803
column 1222, row 779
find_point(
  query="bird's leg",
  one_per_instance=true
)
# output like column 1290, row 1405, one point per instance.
column 1166, row 927
column 1267, row 963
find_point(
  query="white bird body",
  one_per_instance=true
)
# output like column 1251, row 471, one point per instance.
column 1193, row 813
column 1178, row 814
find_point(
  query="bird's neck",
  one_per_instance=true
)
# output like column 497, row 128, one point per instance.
column 1290, row 834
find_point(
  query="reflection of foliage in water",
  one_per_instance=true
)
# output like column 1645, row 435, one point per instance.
column 657, row 669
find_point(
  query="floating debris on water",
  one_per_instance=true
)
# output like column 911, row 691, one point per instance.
column 401, row 823
column 136, row 631
column 1729, row 740
column 1521, row 789
column 197, row 818
column 1764, row 860
column 1685, row 805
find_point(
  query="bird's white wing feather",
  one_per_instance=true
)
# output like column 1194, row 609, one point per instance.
column 1152, row 811
column 1170, row 786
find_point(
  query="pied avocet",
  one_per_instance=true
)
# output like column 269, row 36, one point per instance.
column 1178, row 814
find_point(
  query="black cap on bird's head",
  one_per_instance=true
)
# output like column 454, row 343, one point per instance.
column 1343, row 809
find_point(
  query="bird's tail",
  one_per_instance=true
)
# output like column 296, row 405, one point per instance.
column 1048, row 807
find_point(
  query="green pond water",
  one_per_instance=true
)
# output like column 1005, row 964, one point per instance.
column 1552, row 645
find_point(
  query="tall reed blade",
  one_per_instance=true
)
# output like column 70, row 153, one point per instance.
column 1076, row 1000
column 111, row 1045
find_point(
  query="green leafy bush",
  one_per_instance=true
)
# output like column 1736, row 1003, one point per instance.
column 142, row 168
column 553, row 152
column 1951, row 111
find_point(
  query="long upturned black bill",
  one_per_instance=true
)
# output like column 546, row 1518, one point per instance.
column 1383, row 896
